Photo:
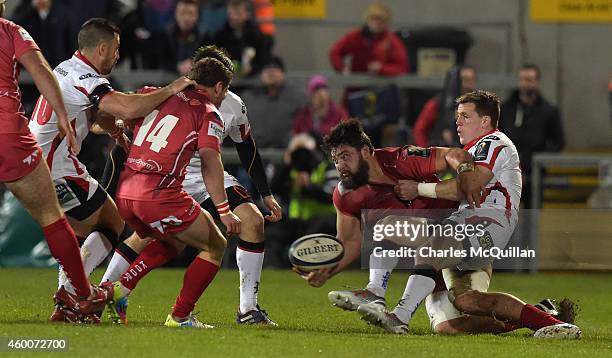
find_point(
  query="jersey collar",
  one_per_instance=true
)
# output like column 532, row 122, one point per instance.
column 84, row 59
column 474, row 141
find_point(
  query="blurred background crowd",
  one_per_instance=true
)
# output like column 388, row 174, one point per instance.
column 375, row 71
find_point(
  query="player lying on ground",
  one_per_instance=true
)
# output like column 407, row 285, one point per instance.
column 150, row 195
column 356, row 165
column 90, row 211
column 27, row 176
column 498, row 173
column 250, row 250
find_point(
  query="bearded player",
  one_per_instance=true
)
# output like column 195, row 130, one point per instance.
column 358, row 191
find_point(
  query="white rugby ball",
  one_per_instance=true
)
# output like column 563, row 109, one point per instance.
column 315, row 251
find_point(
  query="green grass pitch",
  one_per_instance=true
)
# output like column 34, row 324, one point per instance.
column 309, row 325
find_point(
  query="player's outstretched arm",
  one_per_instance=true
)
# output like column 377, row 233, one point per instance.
column 47, row 85
column 132, row 106
column 212, row 173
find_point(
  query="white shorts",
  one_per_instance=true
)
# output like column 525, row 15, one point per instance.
column 498, row 228
column 195, row 187
column 438, row 304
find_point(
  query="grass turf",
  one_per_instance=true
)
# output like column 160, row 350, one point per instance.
column 309, row 325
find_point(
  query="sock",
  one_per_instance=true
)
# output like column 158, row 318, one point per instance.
column 63, row 246
column 197, row 277
column 154, row 255
column 93, row 252
column 249, row 257
column 119, row 263
column 417, row 288
column 533, row 318
column 380, row 273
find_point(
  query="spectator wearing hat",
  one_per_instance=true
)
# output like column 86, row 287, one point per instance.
column 321, row 114
column 272, row 105
column 372, row 48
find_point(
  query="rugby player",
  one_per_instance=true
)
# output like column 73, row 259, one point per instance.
column 497, row 171
column 151, row 198
column 27, row 176
column 88, row 97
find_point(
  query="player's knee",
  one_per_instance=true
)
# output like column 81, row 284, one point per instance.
column 253, row 221
column 467, row 301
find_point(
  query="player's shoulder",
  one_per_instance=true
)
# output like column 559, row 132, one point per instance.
column 495, row 139
column 232, row 103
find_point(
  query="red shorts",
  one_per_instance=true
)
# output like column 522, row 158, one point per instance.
column 19, row 155
column 159, row 219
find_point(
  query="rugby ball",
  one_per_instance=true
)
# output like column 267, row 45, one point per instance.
column 315, row 251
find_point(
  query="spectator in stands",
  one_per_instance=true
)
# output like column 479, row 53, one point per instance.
column 138, row 30
column 372, row 48
column 273, row 105
column 241, row 37
column 533, row 124
column 321, row 114
column 44, row 20
column 429, row 129
column 305, row 182
column 181, row 38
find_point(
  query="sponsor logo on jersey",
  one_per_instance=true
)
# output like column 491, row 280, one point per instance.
column 194, row 102
column 64, row 195
column 492, row 137
column 25, row 35
column 215, row 130
column 88, row 75
column 482, row 150
column 243, row 107
column 61, row 71
column 182, row 96
column 30, row 158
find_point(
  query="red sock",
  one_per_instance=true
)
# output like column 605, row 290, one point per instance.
column 533, row 318
column 197, row 277
column 154, row 255
column 63, row 246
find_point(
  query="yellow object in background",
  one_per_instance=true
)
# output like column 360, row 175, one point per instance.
column 570, row 10
column 300, row 9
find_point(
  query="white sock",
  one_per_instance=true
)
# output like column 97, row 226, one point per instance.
column 417, row 288
column 380, row 273
column 249, row 266
column 62, row 280
column 117, row 266
column 94, row 251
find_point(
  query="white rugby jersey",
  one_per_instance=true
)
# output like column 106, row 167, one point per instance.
column 237, row 127
column 496, row 151
column 78, row 79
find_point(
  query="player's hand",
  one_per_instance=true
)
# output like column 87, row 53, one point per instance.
column 471, row 187
column 124, row 142
column 180, row 84
column 316, row 278
column 406, row 189
column 232, row 223
column 63, row 125
column 276, row 213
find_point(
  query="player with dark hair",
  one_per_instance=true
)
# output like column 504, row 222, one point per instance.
column 250, row 250
column 151, row 198
column 27, row 176
column 496, row 170
column 89, row 98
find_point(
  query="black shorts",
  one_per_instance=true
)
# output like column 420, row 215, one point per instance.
column 236, row 195
column 73, row 196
